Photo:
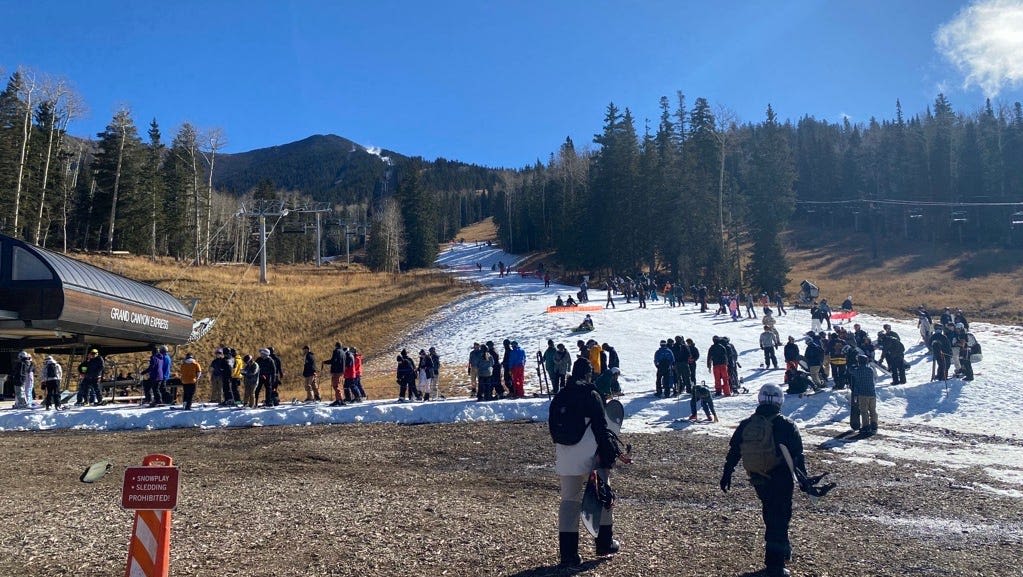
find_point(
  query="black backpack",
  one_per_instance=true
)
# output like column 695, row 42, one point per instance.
column 566, row 417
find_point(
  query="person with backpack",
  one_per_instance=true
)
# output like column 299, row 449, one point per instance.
column 680, row 350
column 250, row 379
column 405, row 375
column 582, row 443
column 664, row 360
column 23, row 373
column 759, row 441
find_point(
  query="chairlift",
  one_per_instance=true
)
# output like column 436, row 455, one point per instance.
column 959, row 216
column 915, row 213
column 1017, row 218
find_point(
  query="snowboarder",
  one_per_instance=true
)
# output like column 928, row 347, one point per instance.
column 585, row 445
column 758, row 441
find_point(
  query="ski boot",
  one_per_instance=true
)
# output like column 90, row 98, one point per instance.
column 605, row 543
column 568, row 549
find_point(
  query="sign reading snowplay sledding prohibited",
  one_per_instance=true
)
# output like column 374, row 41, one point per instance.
column 150, row 488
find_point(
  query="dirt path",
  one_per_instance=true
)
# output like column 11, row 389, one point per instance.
column 468, row 500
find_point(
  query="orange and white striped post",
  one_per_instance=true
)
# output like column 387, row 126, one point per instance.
column 152, row 491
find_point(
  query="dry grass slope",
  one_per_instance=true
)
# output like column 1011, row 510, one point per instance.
column 301, row 304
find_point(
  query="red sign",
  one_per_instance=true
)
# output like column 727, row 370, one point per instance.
column 150, row 488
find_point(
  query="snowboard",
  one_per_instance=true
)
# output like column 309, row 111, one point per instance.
column 813, row 492
column 592, row 508
column 96, row 471
column 579, row 330
column 854, row 415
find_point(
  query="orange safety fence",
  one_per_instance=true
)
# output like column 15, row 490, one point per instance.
column 579, row 308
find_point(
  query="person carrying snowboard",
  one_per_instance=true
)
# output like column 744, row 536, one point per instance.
column 582, row 443
column 759, row 441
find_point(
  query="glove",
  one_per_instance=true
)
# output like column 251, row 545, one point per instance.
column 726, row 481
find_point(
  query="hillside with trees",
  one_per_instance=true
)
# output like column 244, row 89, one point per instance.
column 697, row 196
column 703, row 198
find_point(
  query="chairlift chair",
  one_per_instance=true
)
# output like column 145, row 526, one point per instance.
column 959, row 216
column 1017, row 218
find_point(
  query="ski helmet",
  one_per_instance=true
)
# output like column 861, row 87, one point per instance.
column 771, row 394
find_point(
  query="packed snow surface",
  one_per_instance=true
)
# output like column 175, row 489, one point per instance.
column 944, row 424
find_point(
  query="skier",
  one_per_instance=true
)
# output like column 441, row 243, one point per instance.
column 941, row 353
column 575, row 458
column 701, row 394
column 767, row 344
column 683, row 382
column 717, row 364
column 663, row 360
column 769, row 473
column 517, row 366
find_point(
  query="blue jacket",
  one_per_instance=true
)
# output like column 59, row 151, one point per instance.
column 664, row 357
column 516, row 357
column 166, row 366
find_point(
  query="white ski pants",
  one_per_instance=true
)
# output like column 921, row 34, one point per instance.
column 572, row 488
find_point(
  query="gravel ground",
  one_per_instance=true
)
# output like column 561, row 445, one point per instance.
column 474, row 499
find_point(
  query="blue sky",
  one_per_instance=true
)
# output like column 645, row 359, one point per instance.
column 502, row 83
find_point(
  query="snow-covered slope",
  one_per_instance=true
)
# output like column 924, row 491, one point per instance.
column 946, row 424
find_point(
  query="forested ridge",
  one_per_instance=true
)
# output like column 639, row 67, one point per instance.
column 702, row 197
column 697, row 194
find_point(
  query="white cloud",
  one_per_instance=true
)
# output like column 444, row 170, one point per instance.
column 985, row 42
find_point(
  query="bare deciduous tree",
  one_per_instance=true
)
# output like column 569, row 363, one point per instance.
column 63, row 105
column 213, row 140
column 27, row 92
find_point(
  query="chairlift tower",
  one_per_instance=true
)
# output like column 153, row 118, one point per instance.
column 317, row 209
column 262, row 209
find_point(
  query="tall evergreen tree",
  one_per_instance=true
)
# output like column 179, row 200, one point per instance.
column 771, row 200
column 115, row 168
column 418, row 211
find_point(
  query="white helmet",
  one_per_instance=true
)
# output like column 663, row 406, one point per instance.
column 771, row 394
column 24, row 355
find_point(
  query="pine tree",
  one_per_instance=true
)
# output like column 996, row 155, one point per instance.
column 115, row 168
column 771, row 200
column 418, row 211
